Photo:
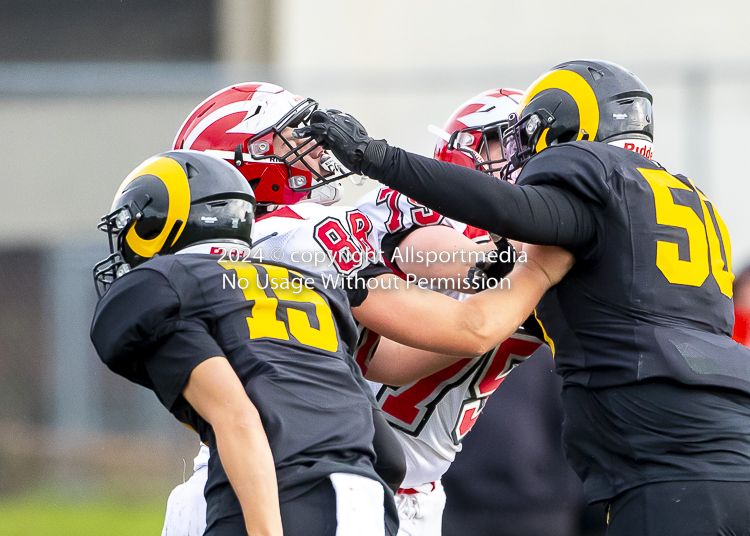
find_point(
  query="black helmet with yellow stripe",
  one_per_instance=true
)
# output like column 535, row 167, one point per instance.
column 169, row 202
column 579, row 100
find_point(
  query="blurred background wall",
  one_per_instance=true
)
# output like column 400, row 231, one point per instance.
column 90, row 88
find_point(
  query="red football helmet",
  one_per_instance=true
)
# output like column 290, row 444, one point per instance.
column 476, row 122
column 239, row 123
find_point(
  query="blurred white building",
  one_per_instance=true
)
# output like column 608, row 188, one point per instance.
column 72, row 130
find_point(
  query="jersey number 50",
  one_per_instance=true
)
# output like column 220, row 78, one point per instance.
column 706, row 238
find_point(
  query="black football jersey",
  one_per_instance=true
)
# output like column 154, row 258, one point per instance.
column 288, row 344
column 647, row 313
column 650, row 294
column 654, row 387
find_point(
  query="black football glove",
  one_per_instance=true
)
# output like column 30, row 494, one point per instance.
column 346, row 138
column 480, row 274
column 506, row 260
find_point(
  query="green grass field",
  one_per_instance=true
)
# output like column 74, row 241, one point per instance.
column 108, row 487
column 39, row 515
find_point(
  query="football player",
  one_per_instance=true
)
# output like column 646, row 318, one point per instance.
column 432, row 415
column 253, row 356
column 250, row 125
column 408, row 230
column 256, row 121
column 655, row 392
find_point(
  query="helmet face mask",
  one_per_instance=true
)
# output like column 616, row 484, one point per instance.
column 113, row 266
column 578, row 100
column 465, row 140
column 261, row 146
column 169, row 202
column 521, row 138
column 245, row 124
column 298, row 152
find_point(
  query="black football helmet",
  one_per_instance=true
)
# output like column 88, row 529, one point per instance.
column 578, row 100
column 169, row 202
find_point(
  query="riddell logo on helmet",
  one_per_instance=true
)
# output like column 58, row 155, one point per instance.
column 642, row 147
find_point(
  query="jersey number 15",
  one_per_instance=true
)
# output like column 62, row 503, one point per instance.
column 301, row 304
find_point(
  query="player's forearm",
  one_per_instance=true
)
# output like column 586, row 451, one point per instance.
column 495, row 314
column 397, row 364
column 426, row 319
column 533, row 214
column 216, row 393
column 248, row 463
column 450, row 254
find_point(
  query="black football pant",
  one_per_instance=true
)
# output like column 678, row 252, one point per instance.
column 682, row 508
column 311, row 514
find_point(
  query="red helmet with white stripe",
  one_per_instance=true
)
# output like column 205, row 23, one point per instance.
column 240, row 124
column 475, row 127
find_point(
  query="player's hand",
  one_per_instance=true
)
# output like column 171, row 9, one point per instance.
column 482, row 272
column 506, row 260
column 345, row 137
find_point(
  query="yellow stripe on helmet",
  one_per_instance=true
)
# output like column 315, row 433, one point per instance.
column 574, row 85
column 137, row 172
column 174, row 178
column 542, row 143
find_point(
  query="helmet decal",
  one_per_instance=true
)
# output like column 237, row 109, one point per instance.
column 210, row 119
column 263, row 112
column 574, row 85
column 175, row 179
column 260, row 113
column 218, row 98
column 488, row 113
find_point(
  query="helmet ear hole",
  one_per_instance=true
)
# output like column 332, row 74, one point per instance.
column 596, row 74
column 151, row 234
column 192, row 171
